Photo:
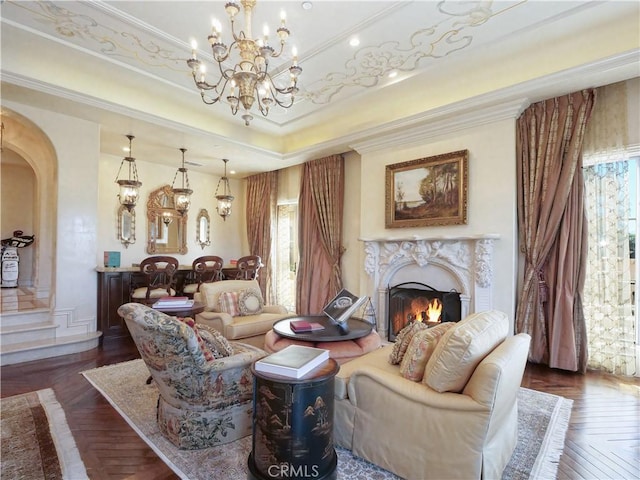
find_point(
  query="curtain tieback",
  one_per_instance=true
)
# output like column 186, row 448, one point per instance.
column 543, row 288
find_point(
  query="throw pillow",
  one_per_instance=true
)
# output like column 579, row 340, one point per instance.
column 188, row 321
column 420, row 349
column 229, row 303
column 462, row 348
column 219, row 346
column 250, row 301
column 403, row 338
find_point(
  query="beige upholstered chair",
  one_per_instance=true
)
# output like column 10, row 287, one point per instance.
column 158, row 272
column 459, row 420
column 205, row 382
column 205, row 269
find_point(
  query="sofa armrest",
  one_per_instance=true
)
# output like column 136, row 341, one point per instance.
column 366, row 383
column 275, row 309
column 217, row 320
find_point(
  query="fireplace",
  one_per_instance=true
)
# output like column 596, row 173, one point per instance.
column 413, row 301
column 450, row 264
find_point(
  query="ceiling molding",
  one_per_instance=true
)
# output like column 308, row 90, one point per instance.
column 46, row 88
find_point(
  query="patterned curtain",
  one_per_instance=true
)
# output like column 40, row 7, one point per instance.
column 320, row 218
column 262, row 190
column 609, row 291
column 552, row 230
column 608, row 302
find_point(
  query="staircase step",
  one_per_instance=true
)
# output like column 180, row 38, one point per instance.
column 22, row 318
column 37, row 350
column 27, row 332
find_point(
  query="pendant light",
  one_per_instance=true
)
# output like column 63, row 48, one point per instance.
column 129, row 189
column 224, row 200
column 182, row 195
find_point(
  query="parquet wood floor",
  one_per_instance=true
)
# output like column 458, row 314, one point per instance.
column 603, row 440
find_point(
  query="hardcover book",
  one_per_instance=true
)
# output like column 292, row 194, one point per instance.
column 302, row 326
column 343, row 306
column 293, row 361
column 166, row 302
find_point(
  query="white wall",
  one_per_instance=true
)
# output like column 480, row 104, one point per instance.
column 77, row 146
column 228, row 238
column 491, row 198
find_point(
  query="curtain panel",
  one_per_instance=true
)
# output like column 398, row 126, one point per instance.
column 262, row 191
column 552, row 228
column 320, row 233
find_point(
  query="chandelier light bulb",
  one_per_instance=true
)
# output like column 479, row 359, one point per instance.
column 245, row 64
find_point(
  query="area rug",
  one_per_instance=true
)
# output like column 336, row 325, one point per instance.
column 542, row 424
column 36, row 440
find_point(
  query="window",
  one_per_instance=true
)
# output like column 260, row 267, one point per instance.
column 286, row 255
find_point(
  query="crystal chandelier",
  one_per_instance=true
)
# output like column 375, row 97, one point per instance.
column 224, row 200
column 249, row 81
column 129, row 193
column 182, row 195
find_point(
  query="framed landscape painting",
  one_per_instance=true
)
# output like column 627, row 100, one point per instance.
column 427, row 192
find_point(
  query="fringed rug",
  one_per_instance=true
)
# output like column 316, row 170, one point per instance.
column 36, row 440
column 542, row 423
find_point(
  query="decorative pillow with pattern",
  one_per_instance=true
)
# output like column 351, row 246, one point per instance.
column 250, row 301
column 403, row 338
column 208, row 354
column 219, row 346
column 420, row 350
column 228, row 302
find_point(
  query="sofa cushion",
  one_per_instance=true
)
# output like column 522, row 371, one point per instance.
column 228, row 303
column 403, row 338
column 206, row 351
column 219, row 346
column 462, row 348
column 378, row 358
column 250, row 301
column 251, row 325
column 422, row 346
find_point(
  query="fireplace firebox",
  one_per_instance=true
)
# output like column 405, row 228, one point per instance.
column 413, row 301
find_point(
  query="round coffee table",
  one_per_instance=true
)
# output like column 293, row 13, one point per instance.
column 344, row 342
column 333, row 331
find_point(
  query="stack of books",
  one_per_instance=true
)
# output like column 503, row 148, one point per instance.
column 293, row 361
column 173, row 302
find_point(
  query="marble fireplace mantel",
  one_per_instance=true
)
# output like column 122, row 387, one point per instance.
column 464, row 262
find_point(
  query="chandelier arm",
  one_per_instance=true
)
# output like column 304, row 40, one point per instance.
column 118, row 174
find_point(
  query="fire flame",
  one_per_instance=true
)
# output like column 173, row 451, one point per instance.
column 434, row 310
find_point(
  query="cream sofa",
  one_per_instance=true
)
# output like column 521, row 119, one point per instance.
column 248, row 327
column 458, row 421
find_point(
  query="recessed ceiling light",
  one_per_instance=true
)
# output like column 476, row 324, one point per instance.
column 393, row 74
column 307, row 5
column 354, row 42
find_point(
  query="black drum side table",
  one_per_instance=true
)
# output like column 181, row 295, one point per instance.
column 293, row 426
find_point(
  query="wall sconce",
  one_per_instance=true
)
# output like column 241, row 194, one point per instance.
column 182, row 196
column 129, row 192
column 167, row 218
column 224, row 200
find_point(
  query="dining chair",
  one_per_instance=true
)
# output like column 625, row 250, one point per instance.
column 248, row 267
column 205, row 269
column 158, row 279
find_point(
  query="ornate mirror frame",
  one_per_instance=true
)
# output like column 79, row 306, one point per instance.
column 126, row 226
column 166, row 228
column 203, row 226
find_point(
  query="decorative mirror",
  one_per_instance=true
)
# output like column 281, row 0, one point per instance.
column 167, row 229
column 126, row 225
column 202, row 228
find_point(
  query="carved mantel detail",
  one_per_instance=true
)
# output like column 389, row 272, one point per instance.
column 469, row 260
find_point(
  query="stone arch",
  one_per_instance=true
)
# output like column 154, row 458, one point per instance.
column 27, row 140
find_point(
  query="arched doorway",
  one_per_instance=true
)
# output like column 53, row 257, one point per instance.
column 24, row 139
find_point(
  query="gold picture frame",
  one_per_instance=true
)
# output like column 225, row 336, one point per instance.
column 429, row 191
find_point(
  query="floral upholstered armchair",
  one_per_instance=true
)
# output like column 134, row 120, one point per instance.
column 205, row 381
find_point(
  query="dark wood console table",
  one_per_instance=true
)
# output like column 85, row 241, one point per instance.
column 287, row 442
